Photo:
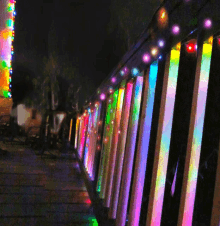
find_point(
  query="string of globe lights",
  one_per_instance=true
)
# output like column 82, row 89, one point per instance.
column 7, row 34
column 155, row 52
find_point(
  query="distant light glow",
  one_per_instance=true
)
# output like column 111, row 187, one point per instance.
column 154, row 51
column 110, row 90
column 113, row 79
column 162, row 18
column 122, row 73
column 146, row 58
column 135, row 71
column 207, row 23
column 175, row 29
column 161, row 43
column 102, row 96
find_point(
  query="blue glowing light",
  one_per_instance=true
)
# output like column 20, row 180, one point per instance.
column 135, row 71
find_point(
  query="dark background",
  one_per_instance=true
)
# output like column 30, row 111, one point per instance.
column 74, row 28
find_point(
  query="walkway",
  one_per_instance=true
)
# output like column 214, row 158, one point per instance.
column 35, row 191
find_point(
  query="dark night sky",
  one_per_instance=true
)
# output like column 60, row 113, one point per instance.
column 80, row 30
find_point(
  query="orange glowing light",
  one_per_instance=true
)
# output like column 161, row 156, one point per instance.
column 162, row 18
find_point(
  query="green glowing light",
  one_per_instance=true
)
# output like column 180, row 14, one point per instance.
column 9, row 23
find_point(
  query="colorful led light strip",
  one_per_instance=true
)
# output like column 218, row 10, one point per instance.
column 143, row 145
column 103, row 151
column 91, row 145
column 114, row 147
column 129, row 153
column 80, row 134
column 88, row 137
column 6, row 48
column 163, row 139
column 94, row 142
column 121, row 150
column 108, row 145
column 197, row 133
column 77, row 131
column 83, row 135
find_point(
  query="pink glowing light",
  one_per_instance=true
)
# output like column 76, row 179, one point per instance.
column 207, row 23
column 113, row 79
column 102, row 96
column 146, row 58
column 175, row 29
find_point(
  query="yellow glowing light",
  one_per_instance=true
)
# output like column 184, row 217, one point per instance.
column 154, row 51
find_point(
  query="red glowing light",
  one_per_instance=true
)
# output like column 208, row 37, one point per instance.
column 88, row 201
column 191, row 47
column 106, row 140
column 219, row 41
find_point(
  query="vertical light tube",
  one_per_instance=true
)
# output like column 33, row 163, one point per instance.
column 163, row 138
column 94, row 141
column 88, row 138
column 103, row 151
column 83, row 134
column 77, row 131
column 80, row 134
column 195, row 133
column 6, row 51
column 120, row 150
column 108, row 145
column 143, row 144
column 129, row 153
column 114, row 147
column 70, row 131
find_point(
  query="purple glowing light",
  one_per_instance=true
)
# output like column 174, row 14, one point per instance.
column 207, row 23
column 102, row 96
column 113, row 79
column 161, row 43
column 175, row 29
column 146, row 58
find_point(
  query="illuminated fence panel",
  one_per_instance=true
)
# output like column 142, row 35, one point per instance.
column 77, row 131
column 129, row 152
column 108, row 143
column 85, row 120
column 94, row 141
column 143, row 144
column 114, row 147
column 163, row 138
column 120, row 150
column 88, row 138
column 7, row 15
column 195, row 133
column 103, row 151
